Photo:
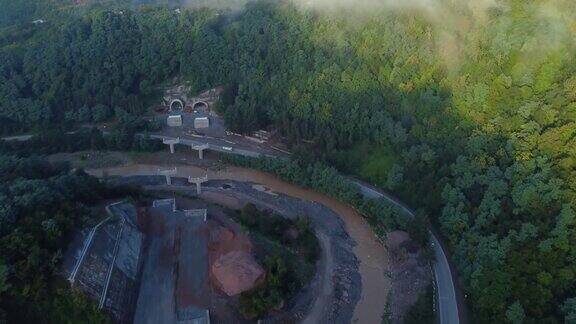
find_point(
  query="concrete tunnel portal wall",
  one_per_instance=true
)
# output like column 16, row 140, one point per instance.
column 200, row 104
column 176, row 105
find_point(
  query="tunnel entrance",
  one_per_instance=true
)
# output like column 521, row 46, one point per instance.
column 176, row 105
column 201, row 106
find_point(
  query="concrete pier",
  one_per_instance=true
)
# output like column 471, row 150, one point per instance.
column 198, row 181
column 171, row 142
column 200, row 149
column 168, row 174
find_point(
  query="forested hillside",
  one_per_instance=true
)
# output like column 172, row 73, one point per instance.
column 41, row 204
column 469, row 113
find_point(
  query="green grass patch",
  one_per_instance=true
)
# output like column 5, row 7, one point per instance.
column 369, row 161
column 376, row 165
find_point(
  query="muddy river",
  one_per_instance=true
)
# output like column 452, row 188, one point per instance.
column 371, row 254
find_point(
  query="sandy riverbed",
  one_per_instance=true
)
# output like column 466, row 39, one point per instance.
column 371, row 254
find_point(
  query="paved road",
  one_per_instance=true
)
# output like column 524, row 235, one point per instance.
column 214, row 144
column 447, row 301
column 219, row 146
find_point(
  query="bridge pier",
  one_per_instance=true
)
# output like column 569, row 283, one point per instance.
column 200, row 149
column 171, row 142
column 198, row 181
column 168, row 174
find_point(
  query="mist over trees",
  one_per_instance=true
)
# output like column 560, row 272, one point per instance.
column 478, row 118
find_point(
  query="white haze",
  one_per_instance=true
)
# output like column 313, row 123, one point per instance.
column 455, row 23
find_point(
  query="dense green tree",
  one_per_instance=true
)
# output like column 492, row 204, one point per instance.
column 473, row 122
column 569, row 310
column 515, row 313
column 46, row 203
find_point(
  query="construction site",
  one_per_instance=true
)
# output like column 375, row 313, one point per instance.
column 106, row 261
column 145, row 265
column 187, row 118
column 184, row 259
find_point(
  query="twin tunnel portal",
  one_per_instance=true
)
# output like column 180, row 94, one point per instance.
column 178, row 105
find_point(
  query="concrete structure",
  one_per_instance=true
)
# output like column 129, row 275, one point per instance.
column 168, row 174
column 216, row 145
column 171, row 142
column 176, row 98
column 198, row 103
column 198, row 181
column 174, row 121
column 201, row 122
column 176, row 105
column 87, row 244
column 165, row 202
column 115, row 255
column 193, row 145
column 196, row 213
column 200, row 148
column 107, row 266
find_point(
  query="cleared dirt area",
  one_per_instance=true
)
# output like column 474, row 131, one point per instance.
column 410, row 272
column 371, row 254
column 233, row 267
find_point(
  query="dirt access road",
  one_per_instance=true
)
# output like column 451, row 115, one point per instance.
column 371, row 254
column 324, row 293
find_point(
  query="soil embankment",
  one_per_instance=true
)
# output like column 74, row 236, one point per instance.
column 371, row 254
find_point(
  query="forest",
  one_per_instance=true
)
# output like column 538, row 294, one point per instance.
column 42, row 204
column 472, row 120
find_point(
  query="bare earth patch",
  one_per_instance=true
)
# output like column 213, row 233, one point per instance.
column 410, row 274
column 233, row 269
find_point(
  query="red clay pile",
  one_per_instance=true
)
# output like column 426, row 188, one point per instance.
column 233, row 268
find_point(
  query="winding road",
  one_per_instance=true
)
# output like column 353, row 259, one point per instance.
column 446, row 293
